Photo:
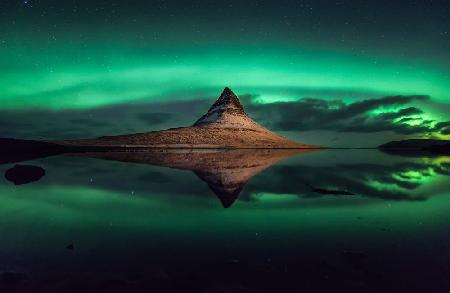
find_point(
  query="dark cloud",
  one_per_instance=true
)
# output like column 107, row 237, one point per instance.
column 445, row 131
column 108, row 120
column 155, row 118
column 443, row 127
column 371, row 115
column 90, row 122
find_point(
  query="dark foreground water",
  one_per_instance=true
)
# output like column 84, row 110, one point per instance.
column 324, row 221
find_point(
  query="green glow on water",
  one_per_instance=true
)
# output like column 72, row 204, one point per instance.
column 173, row 218
column 49, row 216
column 54, row 206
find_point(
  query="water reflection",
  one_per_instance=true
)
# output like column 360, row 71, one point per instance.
column 230, row 174
column 393, row 182
column 225, row 171
column 325, row 219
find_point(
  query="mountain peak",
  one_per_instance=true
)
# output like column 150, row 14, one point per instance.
column 227, row 97
column 226, row 108
column 227, row 102
column 227, row 90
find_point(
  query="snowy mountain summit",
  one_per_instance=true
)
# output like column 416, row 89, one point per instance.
column 227, row 112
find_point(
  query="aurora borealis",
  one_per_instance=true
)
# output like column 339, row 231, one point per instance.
column 89, row 68
column 186, row 216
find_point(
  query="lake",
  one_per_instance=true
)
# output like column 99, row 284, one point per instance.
column 228, row 221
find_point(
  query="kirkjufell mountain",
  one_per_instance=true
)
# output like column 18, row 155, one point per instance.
column 225, row 125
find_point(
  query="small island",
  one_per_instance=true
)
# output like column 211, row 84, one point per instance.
column 422, row 146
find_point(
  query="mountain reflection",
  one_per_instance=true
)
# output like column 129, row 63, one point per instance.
column 251, row 173
column 225, row 171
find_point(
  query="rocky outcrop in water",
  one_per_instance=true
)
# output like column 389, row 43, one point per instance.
column 24, row 174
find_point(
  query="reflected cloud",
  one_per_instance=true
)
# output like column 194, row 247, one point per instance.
column 390, row 182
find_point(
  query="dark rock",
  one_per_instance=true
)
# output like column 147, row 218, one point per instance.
column 24, row 174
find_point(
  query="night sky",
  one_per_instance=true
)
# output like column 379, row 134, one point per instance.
column 338, row 73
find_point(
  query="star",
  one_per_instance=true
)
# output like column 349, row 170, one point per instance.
column 27, row 3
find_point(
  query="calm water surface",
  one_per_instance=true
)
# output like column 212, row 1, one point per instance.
column 322, row 221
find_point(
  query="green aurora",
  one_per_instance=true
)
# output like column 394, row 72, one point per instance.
column 340, row 73
column 56, row 80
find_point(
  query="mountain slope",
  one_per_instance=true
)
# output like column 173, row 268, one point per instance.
column 225, row 125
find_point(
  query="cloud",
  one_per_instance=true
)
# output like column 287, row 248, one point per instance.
column 391, row 113
column 155, row 118
column 109, row 120
column 89, row 122
column 443, row 128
